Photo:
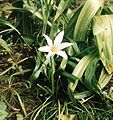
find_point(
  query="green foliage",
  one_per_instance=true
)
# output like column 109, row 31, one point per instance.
column 19, row 117
column 55, row 88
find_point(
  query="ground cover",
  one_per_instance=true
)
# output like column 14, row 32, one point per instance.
column 56, row 60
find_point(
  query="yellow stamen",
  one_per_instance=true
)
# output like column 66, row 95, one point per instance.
column 54, row 48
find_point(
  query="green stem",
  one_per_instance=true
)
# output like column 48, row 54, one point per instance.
column 52, row 74
column 37, row 71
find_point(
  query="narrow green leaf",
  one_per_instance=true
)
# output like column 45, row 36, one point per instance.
column 10, row 25
column 61, row 7
column 90, row 79
column 70, row 26
column 82, row 95
column 110, row 7
column 71, row 95
column 36, row 12
column 63, row 64
column 69, row 76
column 37, row 71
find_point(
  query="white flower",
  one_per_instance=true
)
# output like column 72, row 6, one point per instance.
column 111, row 88
column 55, row 47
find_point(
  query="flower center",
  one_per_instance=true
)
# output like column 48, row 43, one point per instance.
column 54, row 48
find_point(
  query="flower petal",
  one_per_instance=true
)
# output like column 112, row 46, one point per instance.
column 59, row 38
column 44, row 49
column 50, row 54
column 49, row 41
column 62, row 54
column 64, row 45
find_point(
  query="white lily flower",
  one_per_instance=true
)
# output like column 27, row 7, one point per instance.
column 55, row 47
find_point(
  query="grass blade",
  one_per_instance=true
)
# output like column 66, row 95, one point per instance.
column 21, row 103
column 10, row 25
column 5, row 46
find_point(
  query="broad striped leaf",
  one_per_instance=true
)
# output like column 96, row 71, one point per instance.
column 104, row 78
column 103, row 31
column 81, row 67
column 89, row 10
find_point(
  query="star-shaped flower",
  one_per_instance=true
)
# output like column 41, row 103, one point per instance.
column 55, row 47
